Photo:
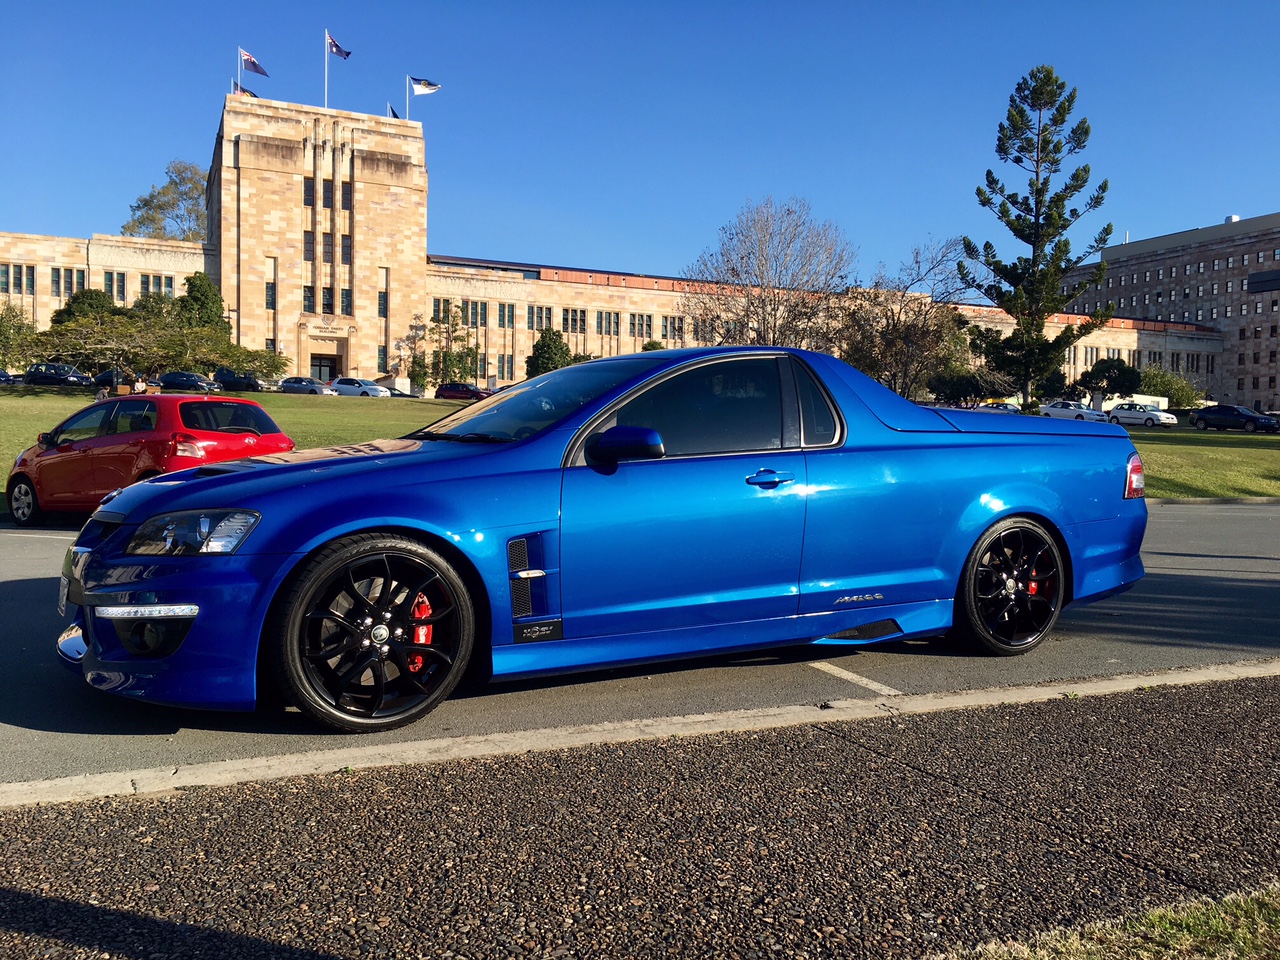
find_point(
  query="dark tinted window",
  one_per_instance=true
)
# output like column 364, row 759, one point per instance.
column 818, row 421
column 83, row 426
column 133, row 416
column 725, row 407
column 215, row 415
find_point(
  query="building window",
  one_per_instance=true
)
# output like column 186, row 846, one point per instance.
column 346, row 249
column 382, row 303
column 574, row 320
column 4, row 278
column 308, row 299
column 168, row 286
column 1244, row 261
column 308, row 191
column 120, row 294
column 109, row 286
column 641, row 325
column 55, row 281
column 346, row 205
column 507, row 316
column 1213, row 313
column 1208, row 364
column 440, row 309
column 475, row 313
column 327, row 199
column 1257, row 333
column 1175, row 362
column 309, row 245
column 326, row 299
column 608, row 322
column 1240, row 383
column 270, row 344
column 540, row 318
column 347, row 309
column 327, row 241
column 269, row 301
column 382, row 350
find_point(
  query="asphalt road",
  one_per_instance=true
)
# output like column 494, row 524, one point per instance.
column 1213, row 579
column 896, row 836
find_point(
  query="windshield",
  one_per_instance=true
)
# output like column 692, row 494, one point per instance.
column 531, row 407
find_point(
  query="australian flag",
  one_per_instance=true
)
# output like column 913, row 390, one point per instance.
column 336, row 50
column 250, row 64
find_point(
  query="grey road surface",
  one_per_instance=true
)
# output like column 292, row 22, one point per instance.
column 1210, row 596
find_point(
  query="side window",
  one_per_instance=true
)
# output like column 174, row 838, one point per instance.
column 84, row 426
column 730, row 406
column 818, row 422
column 133, row 416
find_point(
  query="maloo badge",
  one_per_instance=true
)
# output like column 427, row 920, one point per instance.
column 859, row 598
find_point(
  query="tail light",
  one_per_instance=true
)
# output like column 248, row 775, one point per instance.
column 1135, row 480
column 185, row 445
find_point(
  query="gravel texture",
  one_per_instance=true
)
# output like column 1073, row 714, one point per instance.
column 898, row 837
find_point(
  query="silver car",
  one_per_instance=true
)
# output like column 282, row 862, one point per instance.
column 1142, row 414
column 306, row 385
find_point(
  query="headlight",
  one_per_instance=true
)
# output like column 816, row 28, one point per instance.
column 193, row 531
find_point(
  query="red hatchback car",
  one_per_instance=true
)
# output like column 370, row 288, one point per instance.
column 118, row 441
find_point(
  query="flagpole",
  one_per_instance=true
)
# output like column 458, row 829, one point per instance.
column 239, row 63
column 406, row 96
column 326, row 69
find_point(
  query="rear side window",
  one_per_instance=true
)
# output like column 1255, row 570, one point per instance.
column 133, row 416
column 225, row 416
column 819, row 422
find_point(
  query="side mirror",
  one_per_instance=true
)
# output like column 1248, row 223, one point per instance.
column 626, row 443
column 45, row 440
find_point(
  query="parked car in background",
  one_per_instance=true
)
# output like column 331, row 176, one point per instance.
column 1000, row 407
column 118, row 441
column 757, row 496
column 460, row 391
column 1226, row 416
column 397, row 392
column 353, row 387
column 244, row 382
column 306, row 385
column 1072, row 410
column 113, row 378
column 185, row 381
column 55, row 375
column 7, row 379
column 1144, row 414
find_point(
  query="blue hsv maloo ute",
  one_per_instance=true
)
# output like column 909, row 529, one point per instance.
column 631, row 509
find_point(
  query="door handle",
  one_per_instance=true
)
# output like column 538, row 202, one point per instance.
column 769, row 479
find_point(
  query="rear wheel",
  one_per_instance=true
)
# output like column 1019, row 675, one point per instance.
column 1250, row 426
column 1011, row 589
column 1199, row 424
column 374, row 633
column 24, row 505
column 1115, row 419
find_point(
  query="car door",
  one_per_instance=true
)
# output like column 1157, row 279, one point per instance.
column 709, row 534
column 65, row 468
column 126, row 447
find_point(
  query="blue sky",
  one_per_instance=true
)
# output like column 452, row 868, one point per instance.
column 622, row 136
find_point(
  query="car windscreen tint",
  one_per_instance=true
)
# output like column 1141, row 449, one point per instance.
column 225, row 416
column 530, row 407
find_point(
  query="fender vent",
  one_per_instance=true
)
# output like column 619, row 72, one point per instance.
column 521, row 598
column 517, row 555
column 868, row 631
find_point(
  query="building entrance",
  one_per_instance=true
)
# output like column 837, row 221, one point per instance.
column 325, row 368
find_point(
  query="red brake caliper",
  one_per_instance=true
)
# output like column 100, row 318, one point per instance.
column 420, row 611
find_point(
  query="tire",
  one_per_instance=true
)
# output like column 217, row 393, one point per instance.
column 1250, row 427
column 1079, row 416
column 313, row 392
column 1012, row 588
column 1115, row 419
column 1148, row 422
column 1199, row 424
column 342, row 642
column 24, row 505
column 364, row 393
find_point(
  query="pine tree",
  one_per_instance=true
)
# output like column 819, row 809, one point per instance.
column 1031, row 288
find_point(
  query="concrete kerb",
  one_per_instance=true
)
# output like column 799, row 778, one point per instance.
column 230, row 772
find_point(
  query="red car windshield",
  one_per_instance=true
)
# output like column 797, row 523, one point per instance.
column 226, row 416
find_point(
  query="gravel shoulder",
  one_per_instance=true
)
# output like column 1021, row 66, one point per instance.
column 895, row 837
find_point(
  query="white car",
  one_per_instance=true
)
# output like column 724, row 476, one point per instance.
column 1144, row 414
column 351, row 387
column 1072, row 410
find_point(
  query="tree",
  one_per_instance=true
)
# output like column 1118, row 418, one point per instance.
column 454, row 358
column 650, row 345
column 201, row 305
column 903, row 329
column 1031, row 288
column 1182, row 393
column 16, row 335
column 963, row 385
column 772, row 280
column 85, row 303
column 1111, row 377
column 550, row 352
column 174, row 211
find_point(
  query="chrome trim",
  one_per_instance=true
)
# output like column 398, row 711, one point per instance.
column 143, row 611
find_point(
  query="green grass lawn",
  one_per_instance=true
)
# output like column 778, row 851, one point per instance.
column 1180, row 462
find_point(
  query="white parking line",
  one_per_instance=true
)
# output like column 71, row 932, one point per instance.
column 860, row 680
column 42, row 536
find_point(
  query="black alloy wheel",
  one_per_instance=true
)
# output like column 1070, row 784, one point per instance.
column 374, row 633
column 1250, row 426
column 1200, row 424
column 1012, row 588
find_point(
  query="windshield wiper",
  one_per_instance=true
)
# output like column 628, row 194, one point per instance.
column 457, row 437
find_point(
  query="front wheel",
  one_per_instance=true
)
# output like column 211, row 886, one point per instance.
column 1250, row 426
column 24, row 505
column 1199, row 424
column 374, row 633
column 1011, row 589
column 1115, row 419
column 1148, row 422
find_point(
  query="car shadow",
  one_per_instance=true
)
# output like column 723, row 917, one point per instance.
column 1231, row 615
